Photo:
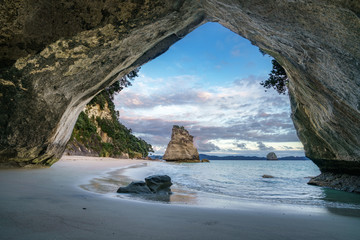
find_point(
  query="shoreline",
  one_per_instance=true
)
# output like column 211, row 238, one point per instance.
column 183, row 196
column 48, row 204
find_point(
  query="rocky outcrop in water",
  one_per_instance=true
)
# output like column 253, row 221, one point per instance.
column 271, row 156
column 181, row 146
column 267, row 176
column 56, row 56
column 344, row 182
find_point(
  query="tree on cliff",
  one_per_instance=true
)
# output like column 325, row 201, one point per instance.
column 109, row 92
column 86, row 133
column 122, row 83
column 277, row 78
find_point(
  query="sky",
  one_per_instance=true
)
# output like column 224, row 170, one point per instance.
column 209, row 82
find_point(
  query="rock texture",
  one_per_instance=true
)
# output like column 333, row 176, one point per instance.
column 138, row 187
column 181, row 147
column 99, row 133
column 55, row 56
column 159, row 184
column 156, row 184
column 271, row 156
column 344, row 182
column 267, row 176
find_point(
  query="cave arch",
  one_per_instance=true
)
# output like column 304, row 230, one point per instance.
column 56, row 57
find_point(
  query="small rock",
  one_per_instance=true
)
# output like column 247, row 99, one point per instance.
column 267, row 176
column 205, row 160
column 159, row 183
column 135, row 187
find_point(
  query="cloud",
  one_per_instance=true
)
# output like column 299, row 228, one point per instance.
column 249, row 80
column 263, row 147
column 287, row 147
column 205, row 146
column 148, row 93
column 242, row 146
column 235, row 52
column 240, row 112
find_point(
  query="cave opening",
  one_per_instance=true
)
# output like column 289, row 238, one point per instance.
column 61, row 67
column 209, row 82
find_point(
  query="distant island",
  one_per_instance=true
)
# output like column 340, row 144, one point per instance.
column 271, row 156
column 210, row 157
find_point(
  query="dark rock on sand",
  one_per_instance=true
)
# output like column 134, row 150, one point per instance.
column 156, row 184
column 159, row 183
column 139, row 187
column 344, row 182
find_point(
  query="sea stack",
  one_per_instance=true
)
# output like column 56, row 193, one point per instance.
column 181, row 147
column 271, row 156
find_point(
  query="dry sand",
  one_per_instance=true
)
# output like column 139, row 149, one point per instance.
column 49, row 204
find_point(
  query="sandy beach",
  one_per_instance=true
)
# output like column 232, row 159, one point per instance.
column 49, row 204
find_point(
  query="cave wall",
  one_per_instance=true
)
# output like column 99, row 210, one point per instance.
column 317, row 43
column 55, row 56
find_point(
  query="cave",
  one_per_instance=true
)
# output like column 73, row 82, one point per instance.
column 56, row 57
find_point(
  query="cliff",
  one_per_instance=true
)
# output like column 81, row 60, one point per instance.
column 98, row 132
column 181, row 146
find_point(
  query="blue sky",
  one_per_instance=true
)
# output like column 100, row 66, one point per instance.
column 209, row 83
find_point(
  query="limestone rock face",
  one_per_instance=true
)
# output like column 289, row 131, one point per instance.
column 271, row 156
column 181, row 146
column 54, row 57
column 339, row 181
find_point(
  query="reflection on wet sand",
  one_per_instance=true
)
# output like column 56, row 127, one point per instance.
column 111, row 181
column 331, row 195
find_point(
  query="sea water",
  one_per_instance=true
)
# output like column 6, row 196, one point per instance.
column 225, row 184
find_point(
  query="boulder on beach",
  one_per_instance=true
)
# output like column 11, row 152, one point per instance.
column 181, row 147
column 271, row 156
column 159, row 183
column 139, row 187
column 156, row 184
column 205, row 160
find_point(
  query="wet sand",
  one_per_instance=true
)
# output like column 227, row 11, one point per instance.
column 50, row 204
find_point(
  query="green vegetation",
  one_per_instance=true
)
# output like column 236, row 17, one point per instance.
column 278, row 79
column 180, row 127
column 87, row 130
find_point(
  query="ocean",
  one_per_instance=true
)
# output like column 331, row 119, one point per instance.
column 232, row 184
